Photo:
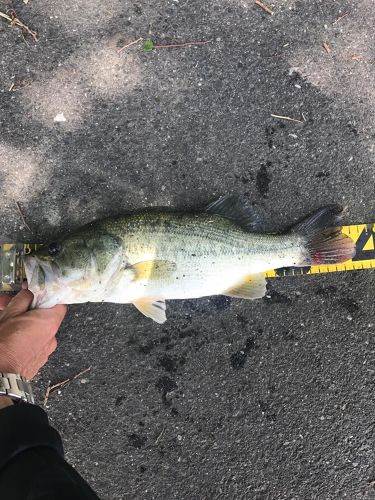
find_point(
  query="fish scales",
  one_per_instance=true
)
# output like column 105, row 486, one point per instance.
column 211, row 236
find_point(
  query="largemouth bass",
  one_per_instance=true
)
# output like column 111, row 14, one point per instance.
column 148, row 258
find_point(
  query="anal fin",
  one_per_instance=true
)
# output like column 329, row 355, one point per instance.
column 153, row 308
column 252, row 287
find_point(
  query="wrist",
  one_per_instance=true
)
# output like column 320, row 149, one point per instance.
column 5, row 401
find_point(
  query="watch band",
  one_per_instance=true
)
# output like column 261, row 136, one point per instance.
column 16, row 387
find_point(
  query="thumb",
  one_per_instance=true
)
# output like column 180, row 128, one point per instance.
column 4, row 301
column 18, row 305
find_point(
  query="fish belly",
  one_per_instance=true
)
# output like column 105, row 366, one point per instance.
column 200, row 277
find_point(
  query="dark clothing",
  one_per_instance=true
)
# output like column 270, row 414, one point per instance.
column 32, row 465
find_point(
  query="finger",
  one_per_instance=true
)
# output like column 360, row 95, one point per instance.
column 52, row 346
column 59, row 311
column 18, row 305
column 54, row 316
column 4, row 301
column 47, row 321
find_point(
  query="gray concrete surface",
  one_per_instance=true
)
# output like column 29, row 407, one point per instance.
column 272, row 399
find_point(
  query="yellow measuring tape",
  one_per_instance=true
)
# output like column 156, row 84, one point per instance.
column 364, row 237
column 12, row 272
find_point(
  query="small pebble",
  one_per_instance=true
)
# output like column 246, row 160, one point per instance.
column 59, row 118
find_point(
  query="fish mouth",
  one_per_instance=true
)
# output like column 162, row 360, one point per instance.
column 42, row 276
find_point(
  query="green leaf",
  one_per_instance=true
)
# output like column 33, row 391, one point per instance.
column 148, row 45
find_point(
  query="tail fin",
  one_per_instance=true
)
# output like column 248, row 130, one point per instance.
column 325, row 244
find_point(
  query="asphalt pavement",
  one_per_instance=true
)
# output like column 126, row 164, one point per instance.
column 230, row 399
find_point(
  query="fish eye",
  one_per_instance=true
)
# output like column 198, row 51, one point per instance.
column 54, row 249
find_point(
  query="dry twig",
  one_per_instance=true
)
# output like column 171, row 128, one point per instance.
column 130, row 44
column 19, row 83
column 14, row 21
column 19, row 209
column 5, row 16
column 160, row 436
column 175, row 45
column 341, row 17
column 264, row 7
column 326, row 47
column 286, row 118
column 60, row 385
column 358, row 57
column 47, row 394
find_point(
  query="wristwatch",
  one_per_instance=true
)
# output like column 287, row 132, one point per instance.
column 16, row 387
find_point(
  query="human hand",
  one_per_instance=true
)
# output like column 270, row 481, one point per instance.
column 27, row 338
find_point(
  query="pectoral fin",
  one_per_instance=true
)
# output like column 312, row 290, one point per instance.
column 252, row 287
column 153, row 269
column 152, row 308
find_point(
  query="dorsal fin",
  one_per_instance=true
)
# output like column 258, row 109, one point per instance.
column 231, row 207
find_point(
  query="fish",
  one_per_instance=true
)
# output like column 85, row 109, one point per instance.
column 149, row 257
